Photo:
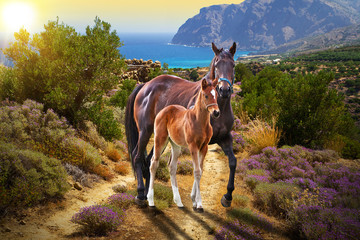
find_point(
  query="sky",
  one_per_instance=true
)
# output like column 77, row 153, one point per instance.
column 125, row 16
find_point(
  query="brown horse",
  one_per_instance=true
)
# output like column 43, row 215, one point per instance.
column 185, row 128
column 148, row 99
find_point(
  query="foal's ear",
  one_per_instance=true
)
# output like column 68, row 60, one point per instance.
column 204, row 84
column 232, row 50
column 215, row 49
column 215, row 82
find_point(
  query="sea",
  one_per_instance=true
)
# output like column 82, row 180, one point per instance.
column 157, row 47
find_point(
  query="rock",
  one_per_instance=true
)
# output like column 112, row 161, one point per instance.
column 78, row 186
column 22, row 222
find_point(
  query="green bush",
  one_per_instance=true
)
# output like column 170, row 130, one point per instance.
column 351, row 149
column 103, row 117
column 63, row 69
column 275, row 198
column 120, row 98
column 29, row 126
column 28, row 177
column 8, row 84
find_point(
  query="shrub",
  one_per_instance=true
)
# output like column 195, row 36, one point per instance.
column 163, row 196
column 52, row 68
column 235, row 230
column 274, row 198
column 121, row 200
column 97, row 219
column 121, row 96
column 185, row 167
column 315, row 222
column 8, row 84
column 27, row 125
column 261, row 135
column 162, row 172
column 122, row 168
column 85, row 179
column 103, row 172
column 112, row 153
column 240, row 200
column 91, row 135
column 28, row 177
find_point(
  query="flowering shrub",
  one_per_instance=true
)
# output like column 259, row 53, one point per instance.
column 29, row 125
column 28, row 177
column 122, row 168
column 97, row 219
column 318, row 195
column 185, row 167
column 236, row 230
column 238, row 142
column 121, row 200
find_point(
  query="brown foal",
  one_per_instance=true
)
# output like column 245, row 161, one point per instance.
column 185, row 128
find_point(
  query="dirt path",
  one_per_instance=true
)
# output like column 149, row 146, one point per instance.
column 53, row 220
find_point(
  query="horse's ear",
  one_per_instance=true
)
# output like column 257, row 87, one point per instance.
column 215, row 49
column 215, row 82
column 232, row 50
column 204, row 83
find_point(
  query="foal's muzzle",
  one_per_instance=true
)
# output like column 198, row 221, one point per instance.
column 216, row 113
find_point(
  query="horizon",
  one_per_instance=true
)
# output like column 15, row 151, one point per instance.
column 159, row 16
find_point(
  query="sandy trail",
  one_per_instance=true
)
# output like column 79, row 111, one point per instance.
column 53, row 220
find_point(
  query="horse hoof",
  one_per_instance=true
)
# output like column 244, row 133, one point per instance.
column 198, row 210
column 225, row 202
column 140, row 203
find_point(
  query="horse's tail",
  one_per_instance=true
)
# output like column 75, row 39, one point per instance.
column 131, row 130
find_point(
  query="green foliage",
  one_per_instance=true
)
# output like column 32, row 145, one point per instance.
column 162, row 172
column 351, row 149
column 120, row 98
column 259, row 97
column 194, row 75
column 28, row 177
column 8, row 83
column 307, row 111
column 103, row 117
column 274, row 198
column 29, row 126
column 242, row 72
column 64, row 69
column 163, row 196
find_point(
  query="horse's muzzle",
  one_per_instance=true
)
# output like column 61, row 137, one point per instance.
column 224, row 92
column 216, row 113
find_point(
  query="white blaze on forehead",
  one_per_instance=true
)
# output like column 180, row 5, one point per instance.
column 213, row 92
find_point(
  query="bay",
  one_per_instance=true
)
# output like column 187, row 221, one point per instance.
column 156, row 46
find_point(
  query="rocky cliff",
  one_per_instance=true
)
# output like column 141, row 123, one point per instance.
column 265, row 24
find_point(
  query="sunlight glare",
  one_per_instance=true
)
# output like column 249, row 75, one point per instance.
column 17, row 15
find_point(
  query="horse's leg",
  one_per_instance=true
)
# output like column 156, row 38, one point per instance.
column 227, row 147
column 161, row 140
column 139, row 159
column 195, row 193
column 175, row 152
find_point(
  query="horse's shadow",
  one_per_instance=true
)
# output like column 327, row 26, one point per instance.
column 206, row 219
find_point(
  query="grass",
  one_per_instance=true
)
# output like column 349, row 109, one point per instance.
column 261, row 135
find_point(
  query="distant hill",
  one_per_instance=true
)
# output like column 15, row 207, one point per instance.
column 338, row 37
column 266, row 24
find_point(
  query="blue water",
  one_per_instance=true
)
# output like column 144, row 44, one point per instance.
column 156, row 47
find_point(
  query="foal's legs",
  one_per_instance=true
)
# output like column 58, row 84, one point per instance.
column 197, row 157
column 175, row 152
column 161, row 140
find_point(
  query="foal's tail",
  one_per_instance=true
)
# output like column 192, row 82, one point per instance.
column 131, row 130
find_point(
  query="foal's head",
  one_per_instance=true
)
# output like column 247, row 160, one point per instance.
column 209, row 96
column 223, row 69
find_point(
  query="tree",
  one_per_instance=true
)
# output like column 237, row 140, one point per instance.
column 194, row 75
column 64, row 69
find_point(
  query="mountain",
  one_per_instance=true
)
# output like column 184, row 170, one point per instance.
column 340, row 36
column 265, row 24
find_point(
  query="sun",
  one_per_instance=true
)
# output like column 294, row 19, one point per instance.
column 16, row 15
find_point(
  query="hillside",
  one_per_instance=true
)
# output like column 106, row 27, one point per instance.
column 265, row 24
column 338, row 37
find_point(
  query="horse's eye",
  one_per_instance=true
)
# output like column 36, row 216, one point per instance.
column 206, row 96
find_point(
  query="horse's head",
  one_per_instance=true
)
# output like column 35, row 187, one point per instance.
column 222, row 68
column 209, row 96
